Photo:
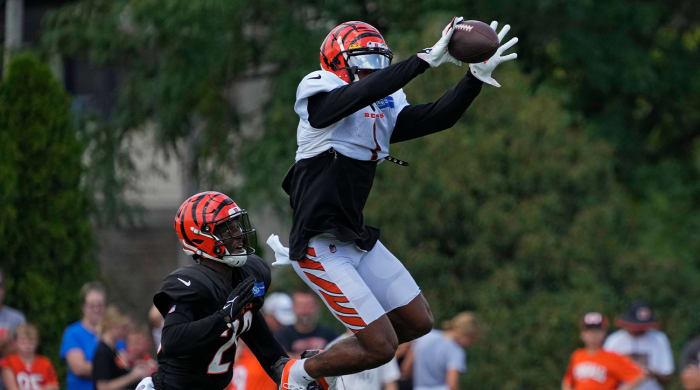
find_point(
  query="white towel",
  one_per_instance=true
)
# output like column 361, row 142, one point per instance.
column 281, row 251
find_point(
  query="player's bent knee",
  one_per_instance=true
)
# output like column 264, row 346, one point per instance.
column 381, row 353
column 425, row 324
column 379, row 341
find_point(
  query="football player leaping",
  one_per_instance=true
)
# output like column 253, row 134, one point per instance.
column 349, row 113
column 208, row 305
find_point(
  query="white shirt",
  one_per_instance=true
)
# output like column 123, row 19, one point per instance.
column 651, row 350
column 363, row 135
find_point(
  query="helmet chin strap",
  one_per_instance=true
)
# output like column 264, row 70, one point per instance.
column 233, row 260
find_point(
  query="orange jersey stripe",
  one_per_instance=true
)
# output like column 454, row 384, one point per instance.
column 310, row 264
column 324, row 284
column 333, row 302
column 355, row 321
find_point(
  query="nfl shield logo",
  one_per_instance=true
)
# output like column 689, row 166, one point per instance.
column 332, row 248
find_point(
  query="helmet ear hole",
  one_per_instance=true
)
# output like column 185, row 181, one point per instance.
column 217, row 250
column 206, row 228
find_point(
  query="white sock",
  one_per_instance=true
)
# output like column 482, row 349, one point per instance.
column 299, row 373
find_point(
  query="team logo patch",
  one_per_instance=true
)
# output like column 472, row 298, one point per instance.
column 259, row 289
column 386, row 102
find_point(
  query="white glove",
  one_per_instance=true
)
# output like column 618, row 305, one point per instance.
column 281, row 251
column 438, row 54
column 482, row 70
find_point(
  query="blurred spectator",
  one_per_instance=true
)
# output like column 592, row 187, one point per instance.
column 139, row 347
column 383, row 377
column 278, row 311
column 403, row 352
column 25, row 370
column 592, row 368
column 248, row 374
column 80, row 338
column 110, row 368
column 639, row 340
column 10, row 319
column 690, row 363
column 306, row 333
column 155, row 320
column 439, row 356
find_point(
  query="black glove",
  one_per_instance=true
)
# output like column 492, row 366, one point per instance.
column 239, row 298
column 277, row 368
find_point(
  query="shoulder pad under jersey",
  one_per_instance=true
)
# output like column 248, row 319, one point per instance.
column 188, row 284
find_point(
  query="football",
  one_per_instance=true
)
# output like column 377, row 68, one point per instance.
column 473, row 41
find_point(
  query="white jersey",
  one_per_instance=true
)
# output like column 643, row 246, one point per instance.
column 362, row 135
column 651, row 350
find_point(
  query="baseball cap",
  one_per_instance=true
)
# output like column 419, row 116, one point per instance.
column 594, row 320
column 279, row 305
column 638, row 317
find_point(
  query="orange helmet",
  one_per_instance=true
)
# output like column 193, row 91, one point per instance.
column 352, row 46
column 211, row 225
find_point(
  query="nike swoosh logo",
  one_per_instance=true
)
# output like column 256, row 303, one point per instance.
column 187, row 283
column 229, row 303
column 314, row 78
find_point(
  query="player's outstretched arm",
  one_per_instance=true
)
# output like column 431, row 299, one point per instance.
column 265, row 347
column 418, row 120
column 326, row 108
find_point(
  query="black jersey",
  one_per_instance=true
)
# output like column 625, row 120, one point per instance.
column 198, row 346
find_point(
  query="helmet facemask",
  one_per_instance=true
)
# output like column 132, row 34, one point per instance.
column 375, row 56
column 235, row 239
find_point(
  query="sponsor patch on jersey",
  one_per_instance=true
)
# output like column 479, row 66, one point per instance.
column 259, row 289
column 386, row 102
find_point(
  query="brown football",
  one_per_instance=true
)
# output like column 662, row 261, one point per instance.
column 473, row 41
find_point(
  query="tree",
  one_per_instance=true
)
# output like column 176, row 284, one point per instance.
column 47, row 240
column 178, row 62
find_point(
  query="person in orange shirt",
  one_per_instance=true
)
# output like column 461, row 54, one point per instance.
column 248, row 374
column 592, row 368
column 25, row 370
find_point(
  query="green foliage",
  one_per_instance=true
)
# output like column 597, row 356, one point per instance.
column 47, row 238
column 517, row 214
column 573, row 187
column 177, row 62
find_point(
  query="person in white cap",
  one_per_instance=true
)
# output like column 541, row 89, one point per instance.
column 278, row 311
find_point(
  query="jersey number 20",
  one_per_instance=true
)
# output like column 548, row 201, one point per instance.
column 216, row 366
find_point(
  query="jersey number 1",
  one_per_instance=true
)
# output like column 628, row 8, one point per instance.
column 216, row 366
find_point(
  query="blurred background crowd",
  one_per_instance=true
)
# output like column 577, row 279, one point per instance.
column 573, row 188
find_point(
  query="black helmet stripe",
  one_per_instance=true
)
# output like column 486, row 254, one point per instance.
column 204, row 209
column 358, row 29
column 182, row 224
column 221, row 205
column 364, row 35
column 194, row 206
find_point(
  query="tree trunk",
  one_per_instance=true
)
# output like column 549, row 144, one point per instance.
column 14, row 19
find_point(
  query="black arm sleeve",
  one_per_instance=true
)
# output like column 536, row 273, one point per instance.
column 417, row 120
column 182, row 335
column 326, row 108
column 263, row 345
